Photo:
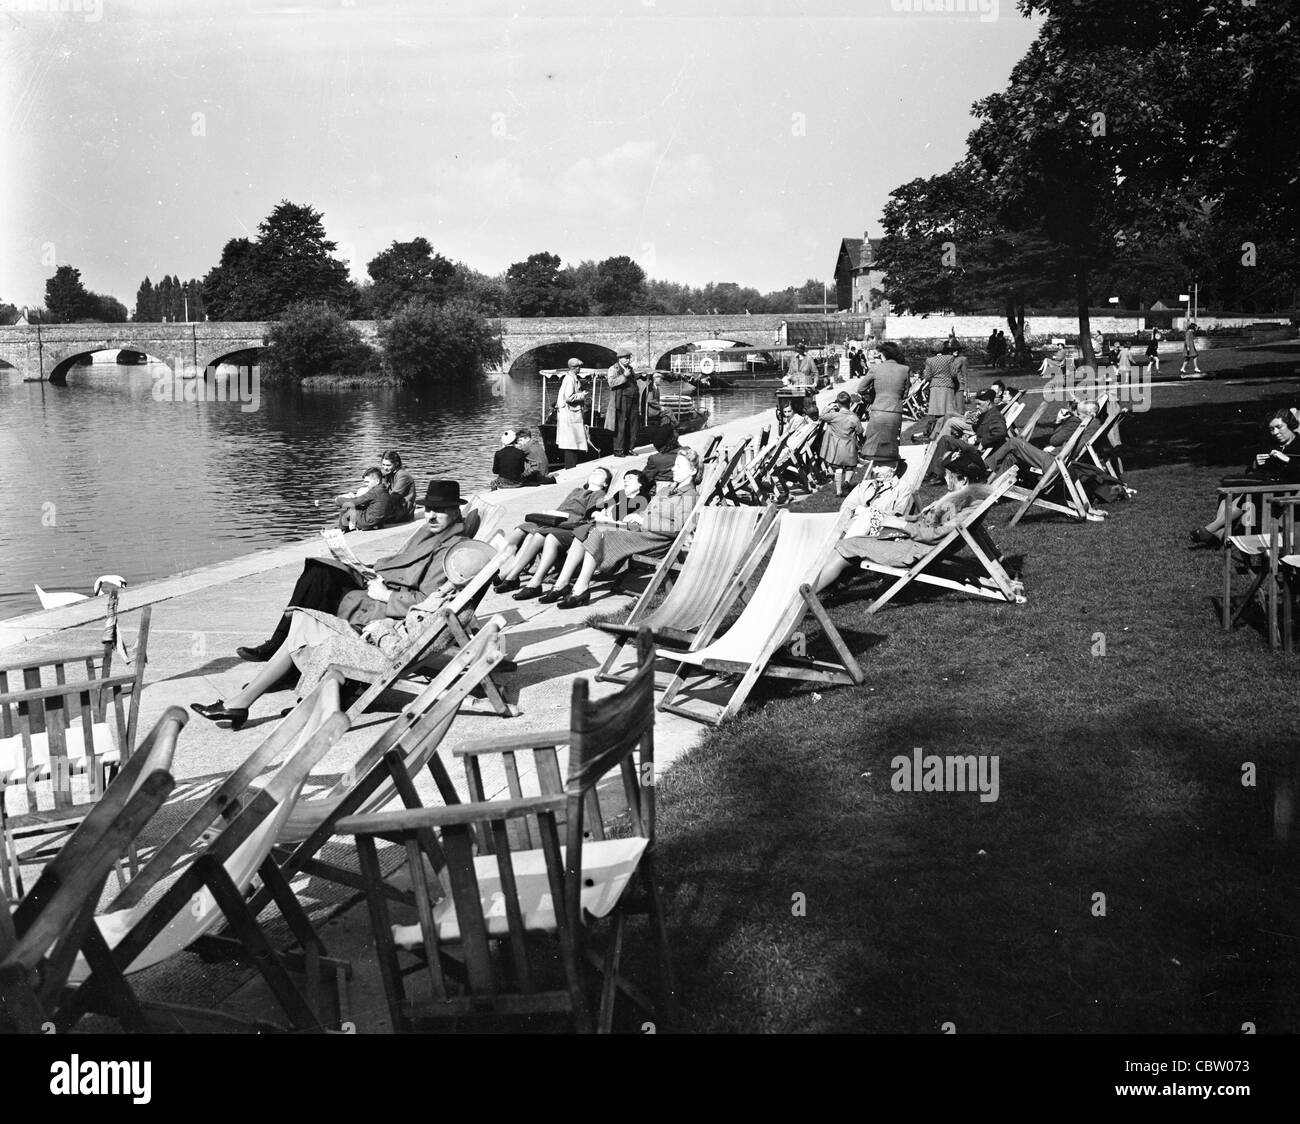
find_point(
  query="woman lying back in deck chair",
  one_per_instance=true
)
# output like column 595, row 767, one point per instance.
column 317, row 640
column 531, row 536
column 609, row 544
column 889, row 540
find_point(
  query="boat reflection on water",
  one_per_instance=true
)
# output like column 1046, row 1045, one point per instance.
column 678, row 406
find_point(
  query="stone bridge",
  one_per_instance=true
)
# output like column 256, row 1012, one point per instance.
column 48, row 351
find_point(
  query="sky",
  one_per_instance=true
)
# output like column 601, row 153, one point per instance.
column 717, row 140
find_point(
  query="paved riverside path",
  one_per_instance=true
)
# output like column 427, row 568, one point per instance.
column 199, row 618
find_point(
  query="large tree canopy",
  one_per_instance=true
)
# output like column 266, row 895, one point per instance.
column 411, row 271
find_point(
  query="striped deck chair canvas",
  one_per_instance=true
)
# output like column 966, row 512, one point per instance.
column 748, row 650
column 729, row 543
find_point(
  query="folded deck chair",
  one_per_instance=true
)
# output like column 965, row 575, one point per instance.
column 993, row 583
column 382, row 672
column 527, row 884
column 784, row 596
column 728, row 545
column 202, row 875
column 387, row 769
column 66, row 722
column 39, row 941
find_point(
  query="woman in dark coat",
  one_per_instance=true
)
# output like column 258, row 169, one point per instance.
column 945, row 386
column 530, row 537
column 885, row 422
column 400, row 485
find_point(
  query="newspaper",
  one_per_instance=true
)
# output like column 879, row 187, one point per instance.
column 339, row 548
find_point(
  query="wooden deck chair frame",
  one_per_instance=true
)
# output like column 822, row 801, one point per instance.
column 1026, row 430
column 387, row 769
column 716, row 570
column 613, row 733
column 39, row 942
column 1267, row 499
column 38, row 712
column 711, row 450
column 1111, row 415
column 756, row 484
column 788, row 607
column 490, row 518
column 970, row 532
column 723, row 488
column 202, row 891
column 427, row 641
column 1056, row 472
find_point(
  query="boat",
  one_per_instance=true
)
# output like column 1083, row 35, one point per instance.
column 727, row 365
column 680, row 408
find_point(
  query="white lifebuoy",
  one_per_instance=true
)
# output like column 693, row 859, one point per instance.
column 706, row 365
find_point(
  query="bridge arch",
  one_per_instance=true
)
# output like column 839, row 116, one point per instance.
column 60, row 361
column 557, row 353
column 246, row 356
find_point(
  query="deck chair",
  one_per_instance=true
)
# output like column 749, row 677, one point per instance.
column 935, row 568
column 1104, row 454
column 483, row 519
column 388, row 768
column 39, row 942
column 62, row 733
column 383, row 672
column 712, row 449
column 728, row 545
column 770, row 621
column 513, row 871
column 755, row 483
column 1057, row 472
column 207, row 867
column 1026, row 429
column 723, row 488
column 1263, row 499
column 805, row 457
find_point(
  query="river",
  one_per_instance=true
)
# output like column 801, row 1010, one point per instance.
column 99, row 477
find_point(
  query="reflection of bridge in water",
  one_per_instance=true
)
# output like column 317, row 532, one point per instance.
column 48, row 351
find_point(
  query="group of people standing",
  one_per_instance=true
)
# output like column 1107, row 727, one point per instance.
column 622, row 417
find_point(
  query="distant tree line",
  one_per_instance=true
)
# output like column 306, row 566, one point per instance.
column 170, row 300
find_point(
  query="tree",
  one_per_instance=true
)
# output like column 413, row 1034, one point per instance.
column 146, row 308
column 104, row 309
column 426, row 344
column 489, row 293
column 66, row 297
column 619, row 287
column 312, row 338
column 411, row 271
column 290, row 262
column 537, row 287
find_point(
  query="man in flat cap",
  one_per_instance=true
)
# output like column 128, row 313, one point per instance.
column 624, row 398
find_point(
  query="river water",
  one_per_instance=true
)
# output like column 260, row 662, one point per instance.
column 100, row 477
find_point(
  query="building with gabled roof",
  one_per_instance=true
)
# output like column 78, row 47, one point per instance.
column 856, row 276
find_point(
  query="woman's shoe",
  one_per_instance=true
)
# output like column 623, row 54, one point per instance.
column 1202, row 537
column 575, row 600
column 219, row 712
column 506, row 585
column 557, row 594
column 529, row 592
column 259, row 653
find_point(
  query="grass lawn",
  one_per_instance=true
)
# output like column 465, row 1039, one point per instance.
column 1120, row 774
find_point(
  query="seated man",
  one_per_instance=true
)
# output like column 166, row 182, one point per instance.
column 668, row 447
column 372, row 508
column 536, row 464
column 987, row 430
column 1096, row 483
column 405, row 577
column 509, row 463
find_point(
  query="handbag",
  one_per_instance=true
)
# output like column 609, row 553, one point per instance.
column 546, row 518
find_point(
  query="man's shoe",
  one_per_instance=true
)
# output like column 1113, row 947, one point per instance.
column 557, row 594
column 258, row 654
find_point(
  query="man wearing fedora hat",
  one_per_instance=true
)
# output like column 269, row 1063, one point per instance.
column 624, row 398
column 403, row 578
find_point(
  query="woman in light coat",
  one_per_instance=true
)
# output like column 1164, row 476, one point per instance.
column 570, row 430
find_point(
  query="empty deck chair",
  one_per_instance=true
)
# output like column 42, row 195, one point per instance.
column 711, row 450
column 39, row 942
column 66, row 722
column 749, row 648
column 382, row 672
column 993, row 582
column 208, row 866
column 387, row 769
column 723, row 488
column 754, row 483
column 529, row 882
column 728, row 544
